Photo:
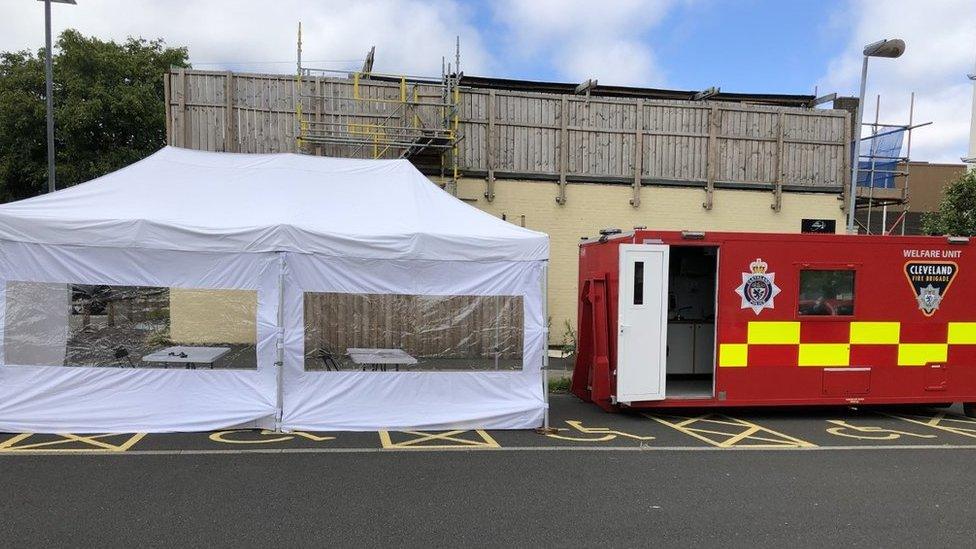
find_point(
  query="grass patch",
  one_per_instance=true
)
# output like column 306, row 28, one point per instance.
column 559, row 385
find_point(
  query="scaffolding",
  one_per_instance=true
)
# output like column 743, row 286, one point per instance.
column 364, row 114
column 880, row 169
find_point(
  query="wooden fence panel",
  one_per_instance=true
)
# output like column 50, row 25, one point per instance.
column 423, row 326
column 601, row 133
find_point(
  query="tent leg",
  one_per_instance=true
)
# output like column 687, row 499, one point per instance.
column 280, row 342
column 545, row 429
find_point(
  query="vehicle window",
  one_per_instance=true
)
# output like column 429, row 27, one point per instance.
column 639, row 283
column 826, row 292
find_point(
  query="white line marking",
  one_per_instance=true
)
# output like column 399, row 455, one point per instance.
column 486, row 449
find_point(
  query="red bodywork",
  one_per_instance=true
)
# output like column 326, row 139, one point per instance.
column 773, row 375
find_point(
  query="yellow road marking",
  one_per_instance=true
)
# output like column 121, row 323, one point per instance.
column 868, row 432
column 942, row 422
column 744, row 433
column 221, row 436
column 94, row 443
column 422, row 437
column 607, row 434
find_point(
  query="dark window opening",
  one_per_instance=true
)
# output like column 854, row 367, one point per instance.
column 826, row 293
column 639, row 283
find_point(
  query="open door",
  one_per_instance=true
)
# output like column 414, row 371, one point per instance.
column 642, row 331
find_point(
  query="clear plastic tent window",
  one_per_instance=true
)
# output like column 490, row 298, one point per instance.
column 106, row 326
column 428, row 333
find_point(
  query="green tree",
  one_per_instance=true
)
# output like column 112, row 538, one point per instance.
column 957, row 212
column 108, row 110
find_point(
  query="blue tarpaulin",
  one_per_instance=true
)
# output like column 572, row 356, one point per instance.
column 884, row 150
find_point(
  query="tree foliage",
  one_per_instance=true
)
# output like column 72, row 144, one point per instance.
column 108, row 110
column 957, row 212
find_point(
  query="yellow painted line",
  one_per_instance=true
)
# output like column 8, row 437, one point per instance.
column 942, row 422
column 700, row 426
column 825, row 354
column 875, row 333
column 422, row 437
column 919, row 354
column 868, row 432
column 733, row 355
column 93, row 441
column 962, row 333
column 13, row 441
column 606, row 434
column 773, row 333
column 555, row 448
column 226, row 437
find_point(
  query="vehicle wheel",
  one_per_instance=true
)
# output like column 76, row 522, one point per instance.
column 940, row 405
column 969, row 408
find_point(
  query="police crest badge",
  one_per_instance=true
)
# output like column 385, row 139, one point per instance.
column 930, row 281
column 758, row 287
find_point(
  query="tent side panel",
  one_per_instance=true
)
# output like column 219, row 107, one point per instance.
column 428, row 306
column 75, row 379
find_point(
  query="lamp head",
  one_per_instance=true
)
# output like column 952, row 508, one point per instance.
column 885, row 48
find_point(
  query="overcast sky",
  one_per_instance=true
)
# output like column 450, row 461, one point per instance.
column 739, row 45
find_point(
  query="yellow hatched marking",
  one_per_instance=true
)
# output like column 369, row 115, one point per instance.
column 453, row 437
column 825, row 354
column 604, row 433
column 728, row 432
column 942, row 422
column 919, row 354
column 962, row 333
column 875, row 333
column 94, row 443
column 773, row 333
column 868, row 432
column 733, row 355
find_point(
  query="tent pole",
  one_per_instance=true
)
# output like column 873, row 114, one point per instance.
column 545, row 341
column 280, row 342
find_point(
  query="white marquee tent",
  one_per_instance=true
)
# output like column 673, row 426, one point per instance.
column 388, row 258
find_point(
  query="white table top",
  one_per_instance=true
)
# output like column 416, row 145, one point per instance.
column 197, row 355
column 380, row 356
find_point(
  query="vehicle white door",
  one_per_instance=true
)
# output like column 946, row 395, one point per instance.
column 642, row 331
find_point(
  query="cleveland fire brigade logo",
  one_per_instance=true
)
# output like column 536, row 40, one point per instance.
column 758, row 287
column 930, row 281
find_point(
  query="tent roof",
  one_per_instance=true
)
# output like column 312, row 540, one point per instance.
column 179, row 199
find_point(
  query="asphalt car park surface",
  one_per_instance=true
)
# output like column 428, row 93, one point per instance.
column 578, row 426
column 806, row 477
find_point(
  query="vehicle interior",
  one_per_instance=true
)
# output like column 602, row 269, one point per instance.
column 692, row 275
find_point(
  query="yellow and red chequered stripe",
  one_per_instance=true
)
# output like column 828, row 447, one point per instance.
column 833, row 354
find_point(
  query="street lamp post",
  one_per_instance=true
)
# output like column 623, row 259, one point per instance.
column 49, row 90
column 882, row 48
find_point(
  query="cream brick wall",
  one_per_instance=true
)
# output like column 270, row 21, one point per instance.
column 213, row 316
column 591, row 207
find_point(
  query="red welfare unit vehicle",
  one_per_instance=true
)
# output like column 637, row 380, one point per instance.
column 695, row 319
